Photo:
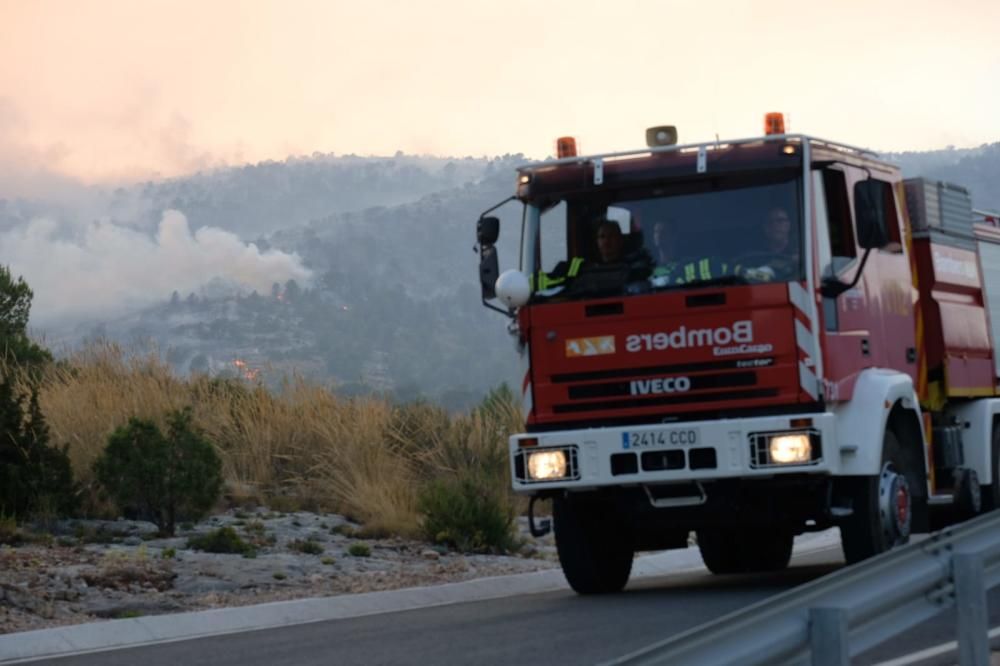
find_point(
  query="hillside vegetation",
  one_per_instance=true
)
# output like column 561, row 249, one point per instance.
column 300, row 447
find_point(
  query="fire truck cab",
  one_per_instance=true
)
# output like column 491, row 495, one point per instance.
column 788, row 338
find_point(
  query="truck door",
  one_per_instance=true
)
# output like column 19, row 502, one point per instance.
column 894, row 293
column 870, row 325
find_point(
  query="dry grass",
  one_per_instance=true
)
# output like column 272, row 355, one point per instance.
column 303, row 446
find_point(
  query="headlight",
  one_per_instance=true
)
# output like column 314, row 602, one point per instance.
column 786, row 449
column 543, row 465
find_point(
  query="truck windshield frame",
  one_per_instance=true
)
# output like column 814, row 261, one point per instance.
column 728, row 229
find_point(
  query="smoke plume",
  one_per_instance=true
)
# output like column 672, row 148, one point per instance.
column 106, row 269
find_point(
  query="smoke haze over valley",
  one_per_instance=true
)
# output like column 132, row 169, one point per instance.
column 346, row 269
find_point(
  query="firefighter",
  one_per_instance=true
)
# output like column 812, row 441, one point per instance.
column 610, row 244
column 610, row 250
column 778, row 258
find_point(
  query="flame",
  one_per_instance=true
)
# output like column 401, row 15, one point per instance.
column 250, row 374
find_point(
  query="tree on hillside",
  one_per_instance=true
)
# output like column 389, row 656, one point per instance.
column 34, row 476
column 15, row 306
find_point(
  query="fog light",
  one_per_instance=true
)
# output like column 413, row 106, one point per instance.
column 786, row 449
column 543, row 465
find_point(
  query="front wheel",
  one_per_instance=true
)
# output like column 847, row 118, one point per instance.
column 594, row 551
column 883, row 508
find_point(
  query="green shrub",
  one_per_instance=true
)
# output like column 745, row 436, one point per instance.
column 168, row 553
column 344, row 529
column 359, row 550
column 222, row 540
column 163, row 477
column 8, row 529
column 35, row 478
column 467, row 515
column 307, row 546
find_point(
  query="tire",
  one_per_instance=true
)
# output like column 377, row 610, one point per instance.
column 991, row 493
column 745, row 551
column 878, row 523
column 594, row 551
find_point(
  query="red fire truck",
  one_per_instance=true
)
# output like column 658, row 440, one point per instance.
column 782, row 336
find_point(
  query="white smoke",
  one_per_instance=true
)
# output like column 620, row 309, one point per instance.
column 105, row 269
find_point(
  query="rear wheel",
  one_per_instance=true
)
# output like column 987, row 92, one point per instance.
column 727, row 551
column 594, row 551
column 883, row 508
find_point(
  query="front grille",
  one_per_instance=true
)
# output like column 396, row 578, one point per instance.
column 658, row 460
column 669, row 459
column 674, row 399
column 698, row 383
column 681, row 368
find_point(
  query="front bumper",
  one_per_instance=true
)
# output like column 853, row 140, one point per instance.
column 674, row 453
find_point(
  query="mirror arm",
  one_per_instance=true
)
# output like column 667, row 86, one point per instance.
column 834, row 288
column 490, row 210
column 500, row 310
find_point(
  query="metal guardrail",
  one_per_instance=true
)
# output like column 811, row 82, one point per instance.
column 841, row 615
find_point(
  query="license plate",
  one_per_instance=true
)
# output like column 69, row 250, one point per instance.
column 654, row 439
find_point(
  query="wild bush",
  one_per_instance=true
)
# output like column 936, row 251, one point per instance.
column 359, row 550
column 306, row 546
column 8, row 529
column 467, row 514
column 163, row 477
column 222, row 540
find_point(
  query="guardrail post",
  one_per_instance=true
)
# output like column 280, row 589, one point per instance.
column 970, row 600
column 828, row 636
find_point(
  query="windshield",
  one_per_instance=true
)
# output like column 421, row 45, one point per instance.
column 731, row 230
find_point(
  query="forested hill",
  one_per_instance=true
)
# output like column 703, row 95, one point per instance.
column 394, row 302
column 394, row 305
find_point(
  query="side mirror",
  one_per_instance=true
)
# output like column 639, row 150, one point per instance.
column 871, row 235
column 487, row 231
column 869, row 212
column 489, row 270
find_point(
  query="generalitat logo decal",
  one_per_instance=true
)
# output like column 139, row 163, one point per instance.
column 598, row 346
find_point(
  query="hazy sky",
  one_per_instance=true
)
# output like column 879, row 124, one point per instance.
column 102, row 90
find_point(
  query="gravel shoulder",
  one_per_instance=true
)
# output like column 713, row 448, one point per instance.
column 91, row 570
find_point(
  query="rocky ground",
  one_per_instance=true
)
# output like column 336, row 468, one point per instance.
column 88, row 570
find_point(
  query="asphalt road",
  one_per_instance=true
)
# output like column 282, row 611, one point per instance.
column 550, row 628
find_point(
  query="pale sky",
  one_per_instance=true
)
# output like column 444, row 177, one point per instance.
column 100, row 91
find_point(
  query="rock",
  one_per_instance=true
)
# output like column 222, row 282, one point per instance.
column 195, row 585
column 122, row 609
column 41, row 587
